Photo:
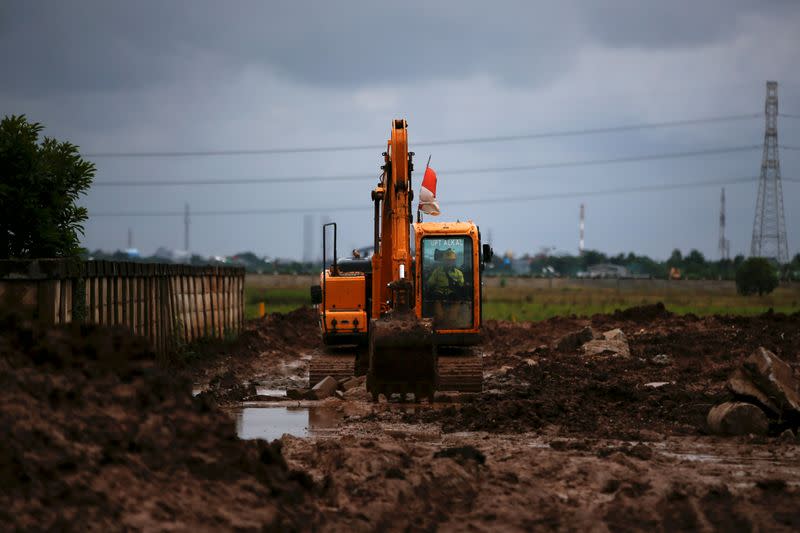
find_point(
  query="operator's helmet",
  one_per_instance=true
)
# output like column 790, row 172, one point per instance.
column 449, row 255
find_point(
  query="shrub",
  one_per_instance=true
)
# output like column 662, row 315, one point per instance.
column 756, row 275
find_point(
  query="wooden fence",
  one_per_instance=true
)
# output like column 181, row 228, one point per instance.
column 168, row 304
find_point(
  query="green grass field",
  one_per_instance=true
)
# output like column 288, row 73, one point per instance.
column 275, row 300
column 540, row 304
column 523, row 304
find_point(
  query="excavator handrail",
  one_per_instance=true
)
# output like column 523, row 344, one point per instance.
column 325, row 265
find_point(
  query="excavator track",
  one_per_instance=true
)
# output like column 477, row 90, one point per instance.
column 460, row 373
column 457, row 372
column 337, row 366
column 339, row 363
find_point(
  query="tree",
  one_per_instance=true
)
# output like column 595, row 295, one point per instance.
column 675, row 259
column 756, row 275
column 792, row 269
column 39, row 186
column 694, row 265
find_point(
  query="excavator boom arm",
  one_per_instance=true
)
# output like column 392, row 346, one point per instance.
column 393, row 197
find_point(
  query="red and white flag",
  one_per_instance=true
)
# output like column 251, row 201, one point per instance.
column 427, row 194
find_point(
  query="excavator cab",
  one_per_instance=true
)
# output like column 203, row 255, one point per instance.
column 449, row 277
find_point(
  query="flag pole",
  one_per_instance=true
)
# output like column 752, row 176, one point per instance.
column 419, row 213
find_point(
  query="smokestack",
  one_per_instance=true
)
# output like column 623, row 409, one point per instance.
column 186, row 222
column 308, row 238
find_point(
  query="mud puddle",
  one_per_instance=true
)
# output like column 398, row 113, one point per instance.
column 264, row 391
column 260, row 390
column 272, row 422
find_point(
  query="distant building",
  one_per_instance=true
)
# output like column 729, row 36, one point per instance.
column 521, row 266
column 607, row 270
column 175, row 256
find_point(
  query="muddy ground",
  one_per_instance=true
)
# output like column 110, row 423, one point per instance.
column 557, row 442
column 94, row 437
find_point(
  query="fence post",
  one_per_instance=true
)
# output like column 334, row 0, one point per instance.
column 203, row 294
column 164, row 322
column 79, row 300
column 46, row 295
column 212, row 286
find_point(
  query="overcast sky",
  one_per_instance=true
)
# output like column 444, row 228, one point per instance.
column 204, row 76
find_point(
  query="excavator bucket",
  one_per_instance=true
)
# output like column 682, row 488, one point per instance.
column 402, row 357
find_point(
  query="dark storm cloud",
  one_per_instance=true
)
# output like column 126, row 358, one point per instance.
column 79, row 46
column 676, row 23
column 101, row 45
column 106, row 45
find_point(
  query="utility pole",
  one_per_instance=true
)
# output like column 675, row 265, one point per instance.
column 769, row 225
column 130, row 238
column 724, row 244
column 308, row 238
column 186, row 217
column 582, row 226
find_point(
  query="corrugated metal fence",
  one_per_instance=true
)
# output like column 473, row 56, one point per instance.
column 169, row 304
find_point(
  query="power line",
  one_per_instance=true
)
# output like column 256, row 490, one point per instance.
column 506, row 199
column 592, row 131
column 594, row 162
column 619, row 190
column 441, row 142
column 351, row 177
column 784, row 147
column 787, row 115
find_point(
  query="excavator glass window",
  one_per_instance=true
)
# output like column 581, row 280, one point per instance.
column 447, row 281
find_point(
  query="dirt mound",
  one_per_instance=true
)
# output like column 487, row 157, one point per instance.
column 643, row 313
column 677, row 371
column 264, row 344
column 605, row 397
column 277, row 332
column 226, row 390
column 302, row 323
column 93, row 435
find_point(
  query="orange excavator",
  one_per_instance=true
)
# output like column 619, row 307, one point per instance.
column 412, row 311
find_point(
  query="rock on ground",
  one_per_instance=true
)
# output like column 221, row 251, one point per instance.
column 352, row 382
column 774, row 378
column 661, row 359
column 737, row 418
column 612, row 343
column 742, row 386
column 358, row 393
column 324, row 388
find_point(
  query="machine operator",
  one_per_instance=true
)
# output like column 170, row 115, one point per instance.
column 445, row 283
column 446, row 279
